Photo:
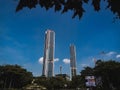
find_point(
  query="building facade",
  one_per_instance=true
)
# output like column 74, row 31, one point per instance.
column 73, row 60
column 48, row 59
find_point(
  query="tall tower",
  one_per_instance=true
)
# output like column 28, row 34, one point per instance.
column 73, row 60
column 48, row 59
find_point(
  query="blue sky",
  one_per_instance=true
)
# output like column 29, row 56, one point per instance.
column 22, row 36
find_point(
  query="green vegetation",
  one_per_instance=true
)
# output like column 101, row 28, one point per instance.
column 14, row 76
column 109, row 72
column 77, row 6
column 107, row 75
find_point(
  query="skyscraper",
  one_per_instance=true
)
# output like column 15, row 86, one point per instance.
column 73, row 60
column 48, row 59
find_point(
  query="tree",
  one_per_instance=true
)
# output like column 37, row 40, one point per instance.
column 77, row 82
column 109, row 72
column 14, row 76
column 87, row 71
column 74, row 5
column 107, row 75
column 52, row 83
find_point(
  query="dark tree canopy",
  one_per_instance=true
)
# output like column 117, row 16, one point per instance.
column 54, row 83
column 75, row 5
column 109, row 71
column 107, row 74
column 14, row 76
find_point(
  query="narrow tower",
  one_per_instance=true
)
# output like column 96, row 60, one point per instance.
column 73, row 60
column 60, row 69
column 48, row 59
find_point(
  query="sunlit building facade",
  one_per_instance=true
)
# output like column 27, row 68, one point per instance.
column 73, row 60
column 48, row 59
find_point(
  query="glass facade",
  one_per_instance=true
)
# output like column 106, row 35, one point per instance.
column 48, row 60
column 73, row 60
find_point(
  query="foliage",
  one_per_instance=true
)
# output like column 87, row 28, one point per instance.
column 74, row 5
column 77, row 82
column 110, row 74
column 107, row 74
column 87, row 71
column 51, row 83
column 14, row 76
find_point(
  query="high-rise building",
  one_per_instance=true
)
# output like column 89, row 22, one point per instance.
column 48, row 59
column 73, row 60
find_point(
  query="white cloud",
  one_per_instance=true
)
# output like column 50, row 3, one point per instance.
column 118, row 56
column 41, row 60
column 56, row 59
column 110, row 53
column 66, row 61
column 84, row 65
column 94, row 60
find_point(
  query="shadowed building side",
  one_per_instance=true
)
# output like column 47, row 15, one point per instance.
column 73, row 60
column 48, row 59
